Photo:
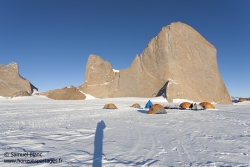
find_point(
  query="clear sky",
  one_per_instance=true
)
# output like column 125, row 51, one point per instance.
column 52, row 39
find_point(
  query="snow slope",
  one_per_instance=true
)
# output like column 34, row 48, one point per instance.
column 78, row 133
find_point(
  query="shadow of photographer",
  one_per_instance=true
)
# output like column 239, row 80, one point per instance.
column 98, row 144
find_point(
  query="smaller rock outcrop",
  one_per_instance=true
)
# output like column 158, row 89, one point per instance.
column 20, row 94
column 66, row 93
column 243, row 99
column 11, row 82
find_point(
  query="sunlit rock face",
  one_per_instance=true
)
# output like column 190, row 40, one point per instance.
column 66, row 93
column 11, row 82
column 178, row 62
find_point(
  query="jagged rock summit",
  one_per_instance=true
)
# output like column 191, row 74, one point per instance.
column 11, row 82
column 178, row 62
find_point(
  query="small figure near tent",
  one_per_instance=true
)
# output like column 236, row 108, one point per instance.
column 157, row 109
column 110, row 106
column 149, row 104
column 136, row 105
column 207, row 105
column 197, row 107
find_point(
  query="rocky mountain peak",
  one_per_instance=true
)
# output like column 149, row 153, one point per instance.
column 178, row 61
column 11, row 82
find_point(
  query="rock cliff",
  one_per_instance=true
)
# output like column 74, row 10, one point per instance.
column 11, row 82
column 178, row 62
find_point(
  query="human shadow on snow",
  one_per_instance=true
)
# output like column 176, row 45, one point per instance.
column 98, row 150
column 98, row 144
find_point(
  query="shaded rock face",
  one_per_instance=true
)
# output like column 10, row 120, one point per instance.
column 11, row 82
column 178, row 61
column 20, row 94
column 71, row 93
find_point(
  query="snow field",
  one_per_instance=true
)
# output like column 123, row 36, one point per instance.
column 69, row 130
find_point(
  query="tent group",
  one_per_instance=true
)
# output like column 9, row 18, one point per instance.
column 159, row 109
column 153, row 108
column 201, row 106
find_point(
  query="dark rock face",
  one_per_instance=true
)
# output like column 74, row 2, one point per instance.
column 11, row 82
column 178, row 61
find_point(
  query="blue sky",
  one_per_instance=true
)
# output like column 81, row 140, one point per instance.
column 52, row 39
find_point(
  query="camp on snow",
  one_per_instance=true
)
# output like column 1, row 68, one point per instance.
column 201, row 106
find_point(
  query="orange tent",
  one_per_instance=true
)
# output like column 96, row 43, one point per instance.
column 185, row 105
column 110, row 106
column 136, row 105
column 207, row 105
column 157, row 109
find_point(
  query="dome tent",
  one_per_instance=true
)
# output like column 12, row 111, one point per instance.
column 110, row 106
column 136, row 105
column 207, row 105
column 185, row 105
column 157, row 109
column 149, row 104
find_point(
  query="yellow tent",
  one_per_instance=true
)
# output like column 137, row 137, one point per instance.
column 207, row 105
column 110, row 106
column 185, row 105
column 136, row 105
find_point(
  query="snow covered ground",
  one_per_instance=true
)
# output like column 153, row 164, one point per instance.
column 81, row 133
